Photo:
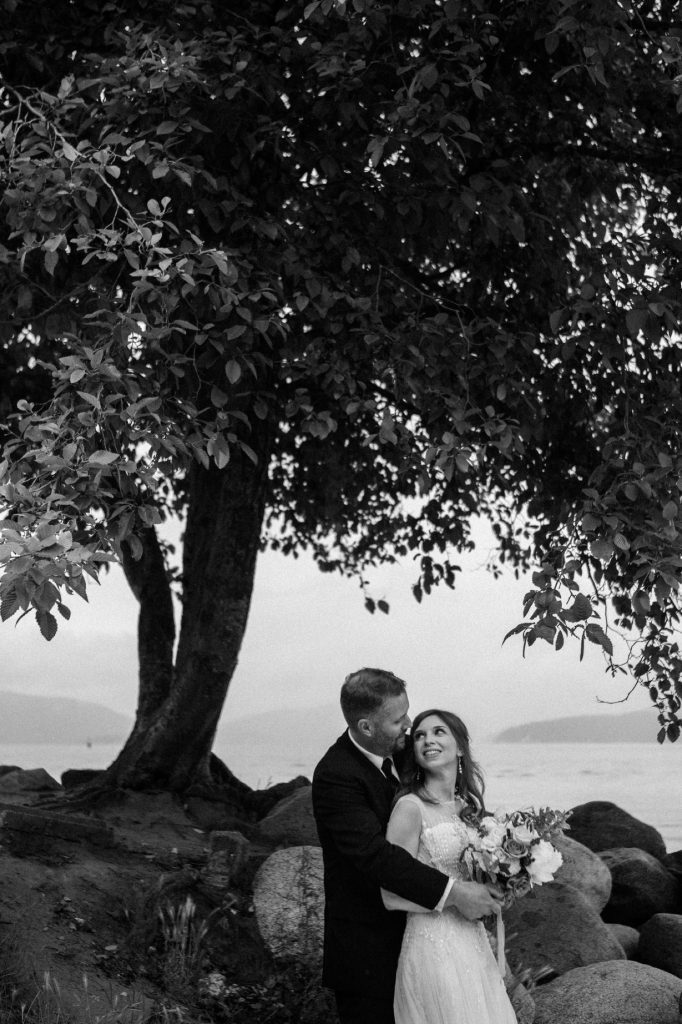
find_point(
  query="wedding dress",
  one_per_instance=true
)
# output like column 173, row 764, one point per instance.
column 447, row 973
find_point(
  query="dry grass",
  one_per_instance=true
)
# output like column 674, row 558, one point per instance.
column 27, row 998
column 183, row 938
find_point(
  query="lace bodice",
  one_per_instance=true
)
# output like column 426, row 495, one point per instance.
column 443, row 837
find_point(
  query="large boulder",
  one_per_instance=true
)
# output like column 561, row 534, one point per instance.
column 73, row 777
column 291, row 821
column 556, row 927
column 600, row 825
column 288, row 899
column 641, row 888
column 628, row 938
column 615, row 992
column 261, row 801
column 31, row 780
column 584, row 870
column 660, row 943
column 673, row 862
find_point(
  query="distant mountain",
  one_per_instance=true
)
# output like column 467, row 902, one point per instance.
column 30, row 718
column 632, row 727
column 286, row 741
column 304, row 733
column 309, row 731
column 286, row 729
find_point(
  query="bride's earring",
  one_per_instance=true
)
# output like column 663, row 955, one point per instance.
column 459, row 774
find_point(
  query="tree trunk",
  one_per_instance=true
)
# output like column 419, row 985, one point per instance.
column 170, row 745
column 148, row 581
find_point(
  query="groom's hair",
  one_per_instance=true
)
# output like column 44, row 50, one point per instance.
column 365, row 691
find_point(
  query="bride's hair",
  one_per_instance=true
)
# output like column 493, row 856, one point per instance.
column 470, row 785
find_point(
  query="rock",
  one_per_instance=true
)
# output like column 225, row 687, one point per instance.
column 73, row 777
column 5, row 769
column 627, row 936
column 227, row 856
column 262, row 801
column 230, row 844
column 600, row 825
column 641, row 888
column 291, row 822
column 32, row 780
column 584, row 870
column 660, row 943
column 556, row 927
column 615, row 992
column 288, row 898
column 673, row 863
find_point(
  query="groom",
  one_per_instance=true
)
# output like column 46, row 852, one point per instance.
column 353, row 789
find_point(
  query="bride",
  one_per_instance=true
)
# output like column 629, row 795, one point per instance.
column 447, row 972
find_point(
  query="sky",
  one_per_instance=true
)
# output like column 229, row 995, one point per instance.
column 307, row 630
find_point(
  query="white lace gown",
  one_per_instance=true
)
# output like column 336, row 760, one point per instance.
column 447, row 973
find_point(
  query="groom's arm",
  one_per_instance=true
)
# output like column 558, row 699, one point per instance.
column 472, row 899
column 342, row 810
column 404, row 828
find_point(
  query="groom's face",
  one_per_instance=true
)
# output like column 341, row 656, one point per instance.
column 390, row 724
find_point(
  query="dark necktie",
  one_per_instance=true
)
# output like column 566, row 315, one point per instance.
column 387, row 769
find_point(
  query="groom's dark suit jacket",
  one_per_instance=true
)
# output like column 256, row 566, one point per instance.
column 352, row 804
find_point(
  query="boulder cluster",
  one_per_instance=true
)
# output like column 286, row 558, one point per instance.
column 601, row 944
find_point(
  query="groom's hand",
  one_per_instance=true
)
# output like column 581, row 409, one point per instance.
column 473, row 900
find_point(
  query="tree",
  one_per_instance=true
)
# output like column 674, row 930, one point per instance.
column 338, row 277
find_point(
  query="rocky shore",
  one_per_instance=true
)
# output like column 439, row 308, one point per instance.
column 151, row 911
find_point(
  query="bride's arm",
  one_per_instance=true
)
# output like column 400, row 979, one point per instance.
column 403, row 830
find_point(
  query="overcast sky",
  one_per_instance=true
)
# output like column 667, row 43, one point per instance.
column 307, row 630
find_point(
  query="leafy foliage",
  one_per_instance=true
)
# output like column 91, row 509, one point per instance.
column 421, row 257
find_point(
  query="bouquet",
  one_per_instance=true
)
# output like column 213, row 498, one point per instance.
column 514, row 850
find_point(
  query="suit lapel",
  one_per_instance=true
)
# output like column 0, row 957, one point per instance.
column 380, row 785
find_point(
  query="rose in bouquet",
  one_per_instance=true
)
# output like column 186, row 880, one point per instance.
column 514, row 851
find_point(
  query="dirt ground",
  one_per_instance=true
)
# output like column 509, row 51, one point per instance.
column 80, row 913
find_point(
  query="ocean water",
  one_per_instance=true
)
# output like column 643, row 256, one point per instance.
column 642, row 778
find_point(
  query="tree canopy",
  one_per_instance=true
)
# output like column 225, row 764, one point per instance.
column 339, row 277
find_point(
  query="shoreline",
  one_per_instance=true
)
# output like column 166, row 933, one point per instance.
column 635, row 776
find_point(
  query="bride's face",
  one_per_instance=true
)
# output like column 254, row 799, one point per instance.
column 434, row 744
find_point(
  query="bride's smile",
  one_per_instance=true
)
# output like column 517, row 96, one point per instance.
column 434, row 742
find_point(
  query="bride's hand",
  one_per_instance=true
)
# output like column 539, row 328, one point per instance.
column 474, row 900
column 498, row 895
